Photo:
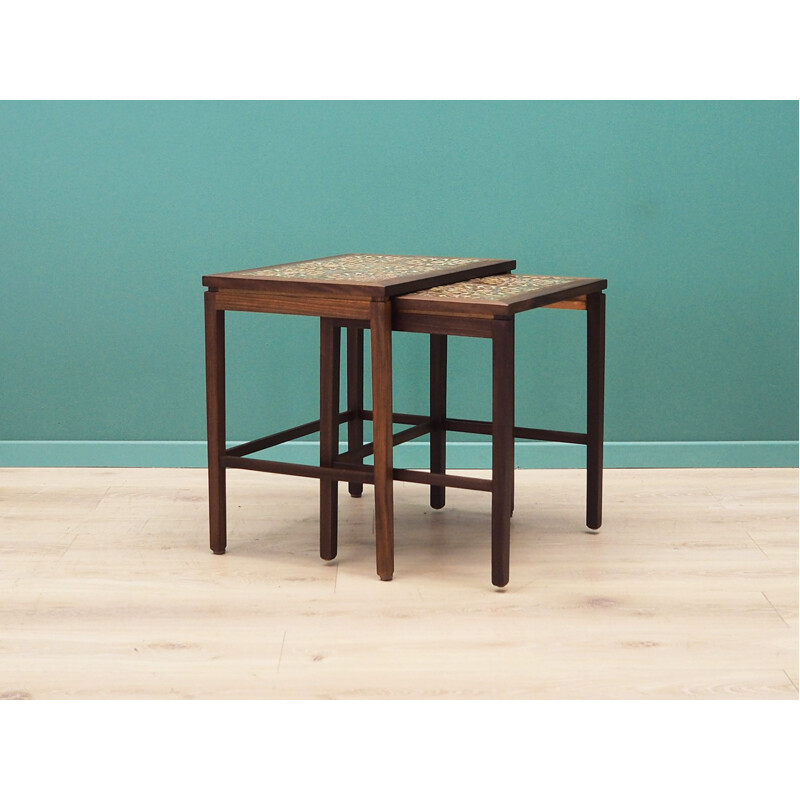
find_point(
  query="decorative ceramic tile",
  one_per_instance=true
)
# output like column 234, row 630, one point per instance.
column 363, row 267
column 492, row 287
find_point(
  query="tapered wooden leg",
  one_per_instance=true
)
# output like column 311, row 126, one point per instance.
column 381, row 333
column 595, row 373
column 355, row 396
column 512, row 397
column 215, row 419
column 330, row 342
column 438, row 410
column 502, row 446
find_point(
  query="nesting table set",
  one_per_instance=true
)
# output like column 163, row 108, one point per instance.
column 439, row 296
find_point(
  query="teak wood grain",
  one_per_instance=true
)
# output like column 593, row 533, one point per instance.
column 355, row 395
column 215, row 419
column 595, row 393
column 438, row 413
column 502, row 447
column 381, row 330
column 306, row 304
column 330, row 347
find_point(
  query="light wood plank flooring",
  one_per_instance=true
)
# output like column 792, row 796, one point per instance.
column 108, row 590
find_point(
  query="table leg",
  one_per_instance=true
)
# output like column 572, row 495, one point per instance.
column 502, row 446
column 355, row 396
column 595, row 391
column 215, row 419
column 330, row 344
column 512, row 394
column 438, row 412
column 381, row 338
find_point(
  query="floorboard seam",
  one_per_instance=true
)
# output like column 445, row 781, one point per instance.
column 776, row 611
column 280, row 655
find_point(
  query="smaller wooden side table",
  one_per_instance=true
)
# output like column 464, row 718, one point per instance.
column 486, row 307
column 352, row 289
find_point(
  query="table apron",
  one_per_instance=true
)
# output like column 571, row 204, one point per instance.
column 305, row 305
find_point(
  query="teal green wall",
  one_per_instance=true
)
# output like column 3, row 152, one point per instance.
column 112, row 211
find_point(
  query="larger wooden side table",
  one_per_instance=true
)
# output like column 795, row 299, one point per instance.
column 353, row 289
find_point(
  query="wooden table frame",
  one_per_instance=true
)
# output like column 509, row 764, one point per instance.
column 366, row 304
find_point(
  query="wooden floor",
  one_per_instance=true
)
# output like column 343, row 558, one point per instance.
column 109, row 590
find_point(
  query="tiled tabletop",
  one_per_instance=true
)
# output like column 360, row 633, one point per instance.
column 371, row 274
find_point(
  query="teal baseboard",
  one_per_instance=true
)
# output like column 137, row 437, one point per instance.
column 460, row 455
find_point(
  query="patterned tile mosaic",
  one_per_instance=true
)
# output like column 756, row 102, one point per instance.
column 363, row 267
column 493, row 287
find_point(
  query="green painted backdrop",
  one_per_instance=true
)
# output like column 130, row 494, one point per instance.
column 112, row 211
